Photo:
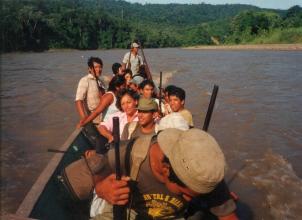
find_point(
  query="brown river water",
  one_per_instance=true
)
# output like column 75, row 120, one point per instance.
column 257, row 117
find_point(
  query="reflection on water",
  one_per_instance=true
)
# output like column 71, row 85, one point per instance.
column 256, row 118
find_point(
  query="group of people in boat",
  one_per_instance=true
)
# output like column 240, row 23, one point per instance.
column 181, row 175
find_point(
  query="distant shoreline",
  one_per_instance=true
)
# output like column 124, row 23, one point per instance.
column 248, row 47
column 284, row 47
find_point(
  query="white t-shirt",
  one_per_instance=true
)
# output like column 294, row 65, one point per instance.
column 135, row 61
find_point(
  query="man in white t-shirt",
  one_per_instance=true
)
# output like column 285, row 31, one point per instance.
column 132, row 60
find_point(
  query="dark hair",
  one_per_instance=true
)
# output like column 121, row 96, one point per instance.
column 92, row 60
column 121, row 94
column 178, row 92
column 172, row 175
column 128, row 71
column 146, row 82
column 116, row 81
column 169, row 88
column 115, row 68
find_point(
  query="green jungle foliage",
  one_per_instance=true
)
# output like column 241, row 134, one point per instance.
column 37, row 25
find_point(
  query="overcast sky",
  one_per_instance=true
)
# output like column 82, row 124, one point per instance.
column 276, row 4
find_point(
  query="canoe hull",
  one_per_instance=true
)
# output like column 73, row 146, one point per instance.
column 48, row 197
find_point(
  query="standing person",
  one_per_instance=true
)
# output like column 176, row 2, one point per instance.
column 177, row 98
column 89, row 90
column 132, row 60
column 180, row 165
column 107, row 105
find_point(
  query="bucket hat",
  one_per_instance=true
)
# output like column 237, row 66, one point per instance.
column 195, row 157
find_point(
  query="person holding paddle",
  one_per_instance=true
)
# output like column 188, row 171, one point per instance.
column 132, row 60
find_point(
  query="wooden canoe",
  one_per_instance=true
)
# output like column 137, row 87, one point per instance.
column 48, row 199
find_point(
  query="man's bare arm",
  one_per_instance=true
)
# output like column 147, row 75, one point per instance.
column 80, row 108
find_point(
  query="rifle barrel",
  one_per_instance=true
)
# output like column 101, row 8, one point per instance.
column 147, row 69
column 56, row 151
column 116, row 139
column 119, row 212
column 210, row 108
column 160, row 91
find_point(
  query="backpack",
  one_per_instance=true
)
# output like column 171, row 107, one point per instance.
column 133, row 156
column 77, row 177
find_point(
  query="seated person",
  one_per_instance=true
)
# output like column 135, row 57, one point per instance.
column 117, row 69
column 167, row 91
column 179, row 167
column 147, row 113
column 146, row 90
column 134, row 83
column 128, row 77
column 127, row 104
column 177, row 98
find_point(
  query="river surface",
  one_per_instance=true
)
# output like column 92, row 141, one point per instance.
column 257, row 117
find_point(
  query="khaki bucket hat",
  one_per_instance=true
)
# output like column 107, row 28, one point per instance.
column 195, row 157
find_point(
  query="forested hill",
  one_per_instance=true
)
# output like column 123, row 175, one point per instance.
column 90, row 24
column 172, row 14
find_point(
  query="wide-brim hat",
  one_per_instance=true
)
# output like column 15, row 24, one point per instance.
column 195, row 157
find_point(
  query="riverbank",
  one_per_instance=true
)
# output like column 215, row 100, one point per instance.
column 249, row 47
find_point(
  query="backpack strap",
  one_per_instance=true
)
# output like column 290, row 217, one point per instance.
column 133, row 155
column 129, row 128
column 132, row 126
column 139, row 153
column 128, row 156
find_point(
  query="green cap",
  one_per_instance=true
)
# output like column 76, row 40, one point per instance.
column 147, row 105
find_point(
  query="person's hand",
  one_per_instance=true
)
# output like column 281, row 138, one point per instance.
column 116, row 192
column 110, row 138
column 81, row 123
column 89, row 153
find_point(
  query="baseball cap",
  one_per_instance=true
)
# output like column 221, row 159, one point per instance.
column 147, row 105
column 195, row 157
column 137, row 80
column 135, row 44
